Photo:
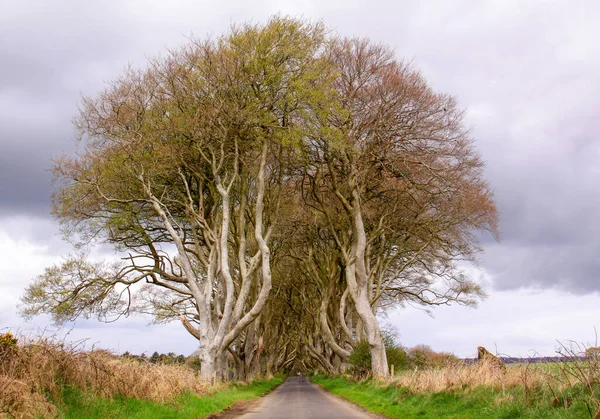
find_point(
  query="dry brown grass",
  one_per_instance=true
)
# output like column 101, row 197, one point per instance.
column 461, row 377
column 18, row 401
column 36, row 368
column 552, row 380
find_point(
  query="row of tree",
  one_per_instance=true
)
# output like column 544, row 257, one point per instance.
column 273, row 189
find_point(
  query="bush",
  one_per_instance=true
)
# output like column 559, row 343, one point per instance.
column 37, row 371
column 593, row 352
column 397, row 357
column 360, row 358
column 7, row 340
column 422, row 356
column 396, row 354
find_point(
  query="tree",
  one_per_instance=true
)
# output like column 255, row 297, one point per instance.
column 270, row 158
column 393, row 173
column 182, row 169
column 154, row 358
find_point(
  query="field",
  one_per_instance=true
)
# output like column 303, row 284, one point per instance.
column 43, row 378
column 560, row 390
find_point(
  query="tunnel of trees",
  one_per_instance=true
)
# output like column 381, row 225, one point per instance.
column 272, row 190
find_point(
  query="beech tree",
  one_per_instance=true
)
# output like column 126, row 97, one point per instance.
column 397, row 182
column 182, row 170
column 272, row 161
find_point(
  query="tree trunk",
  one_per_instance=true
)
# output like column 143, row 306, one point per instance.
column 207, row 365
column 373, row 336
column 327, row 335
column 358, row 287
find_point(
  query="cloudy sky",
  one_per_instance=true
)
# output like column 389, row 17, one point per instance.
column 526, row 72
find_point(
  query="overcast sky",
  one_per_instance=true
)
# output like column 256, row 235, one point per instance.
column 525, row 71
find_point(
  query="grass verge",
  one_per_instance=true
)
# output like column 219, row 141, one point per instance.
column 396, row 401
column 46, row 378
column 79, row 404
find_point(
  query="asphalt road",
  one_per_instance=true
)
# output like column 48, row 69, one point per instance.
column 298, row 398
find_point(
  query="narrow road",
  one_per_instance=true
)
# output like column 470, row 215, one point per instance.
column 298, row 398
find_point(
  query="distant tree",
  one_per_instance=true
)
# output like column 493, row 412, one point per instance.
column 155, row 358
column 395, row 352
column 422, row 356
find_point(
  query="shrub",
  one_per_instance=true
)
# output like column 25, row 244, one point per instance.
column 397, row 357
column 7, row 340
column 360, row 358
column 593, row 352
column 422, row 356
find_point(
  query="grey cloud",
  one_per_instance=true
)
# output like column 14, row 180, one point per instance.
column 25, row 176
column 530, row 84
column 571, row 267
column 525, row 71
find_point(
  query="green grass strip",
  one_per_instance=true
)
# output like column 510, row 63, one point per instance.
column 477, row 403
column 78, row 404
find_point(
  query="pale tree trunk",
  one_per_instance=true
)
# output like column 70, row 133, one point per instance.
column 271, row 361
column 369, row 325
column 207, row 364
column 327, row 334
column 265, row 257
column 222, row 322
column 355, row 269
column 358, row 287
column 345, row 319
column 205, row 333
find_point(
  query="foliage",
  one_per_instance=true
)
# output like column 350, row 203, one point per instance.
column 397, row 357
column 593, row 352
column 7, row 340
column 44, row 378
column 360, row 358
column 166, row 359
column 422, row 356
column 275, row 158
column 575, row 372
column 34, row 374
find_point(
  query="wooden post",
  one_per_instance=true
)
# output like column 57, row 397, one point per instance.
column 392, row 370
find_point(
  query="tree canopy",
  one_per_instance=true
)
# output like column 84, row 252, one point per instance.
column 272, row 189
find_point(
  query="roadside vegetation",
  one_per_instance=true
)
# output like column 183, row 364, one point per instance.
column 569, row 389
column 45, row 378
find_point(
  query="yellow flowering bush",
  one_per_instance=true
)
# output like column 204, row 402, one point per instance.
column 7, row 340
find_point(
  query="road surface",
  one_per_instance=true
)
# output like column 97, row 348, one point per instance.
column 298, row 398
